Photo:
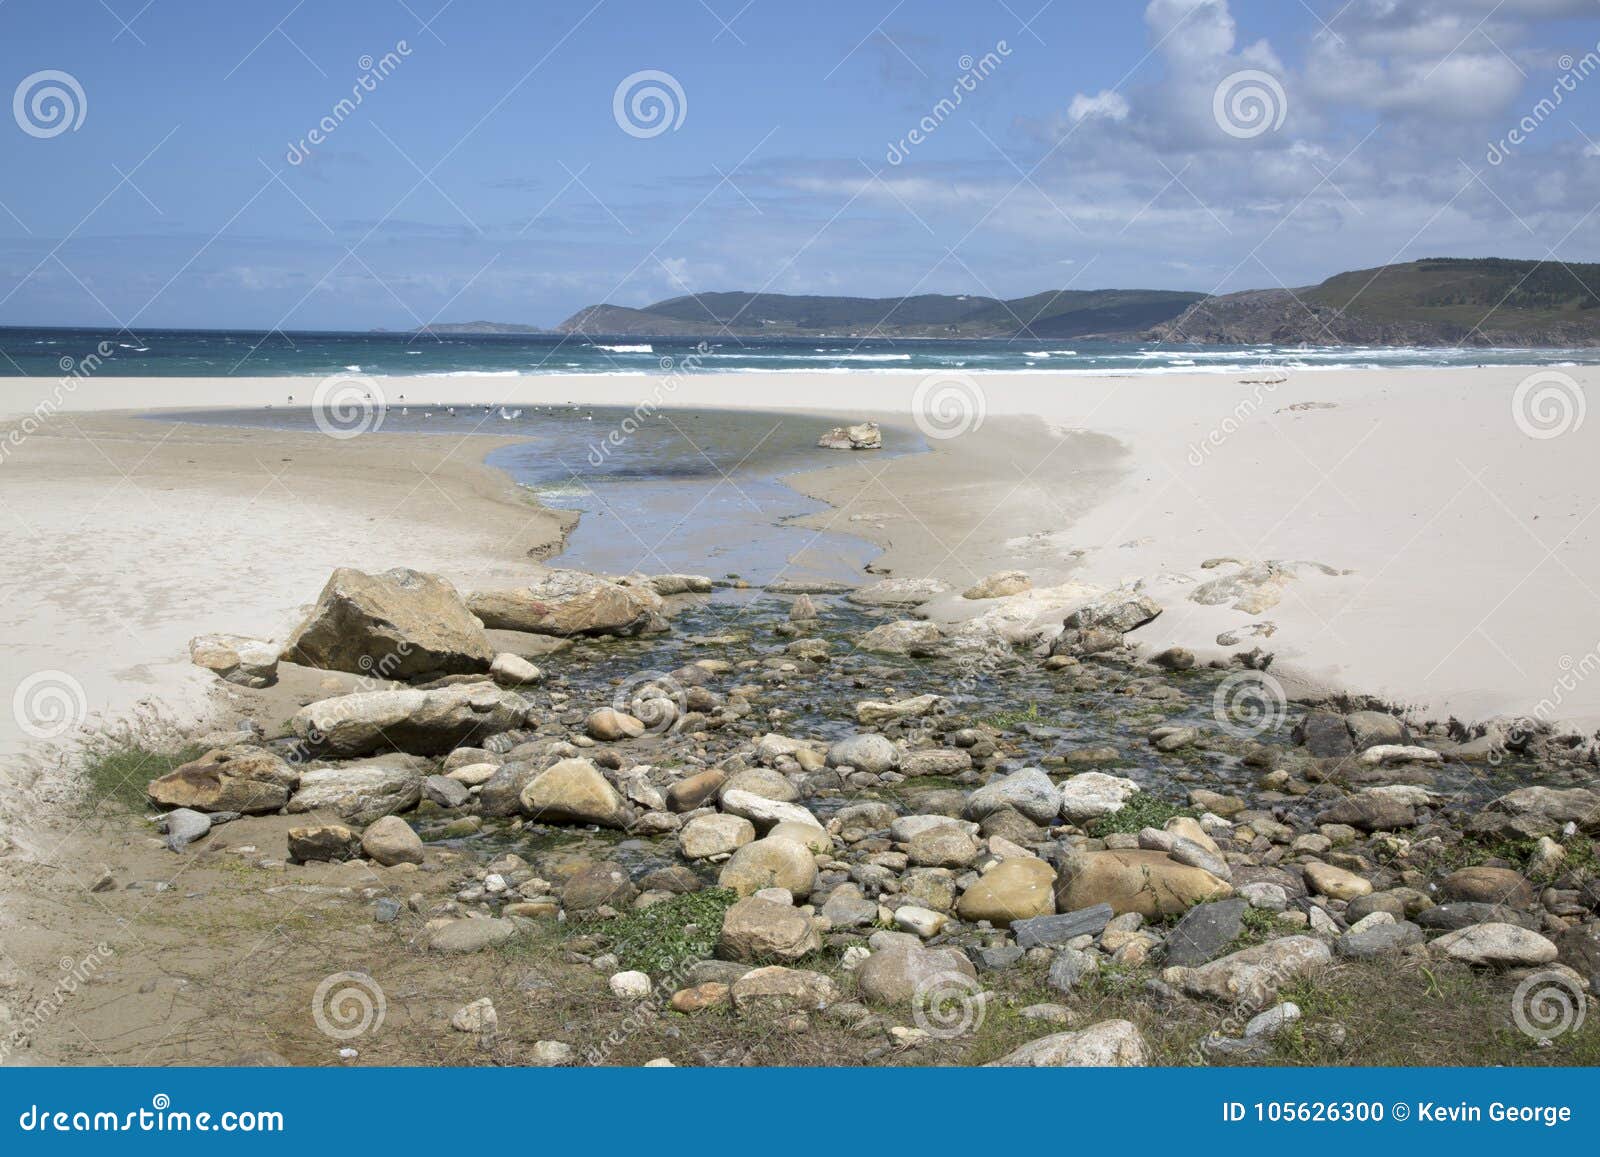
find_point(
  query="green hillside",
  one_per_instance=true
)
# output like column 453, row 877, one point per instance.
column 1058, row 314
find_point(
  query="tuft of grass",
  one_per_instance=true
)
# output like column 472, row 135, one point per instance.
column 1518, row 851
column 116, row 772
column 665, row 935
column 1006, row 720
column 1142, row 810
column 1259, row 926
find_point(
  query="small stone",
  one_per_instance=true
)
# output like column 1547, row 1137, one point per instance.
column 510, row 670
column 920, row 921
column 549, row 1053
column 630, row 985
column 1070, row 967
column 479, row 1016
column 1335, row 883
column 1273, row 1021
column 391, row 841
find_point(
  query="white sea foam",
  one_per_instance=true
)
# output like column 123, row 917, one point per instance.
column 627, row 349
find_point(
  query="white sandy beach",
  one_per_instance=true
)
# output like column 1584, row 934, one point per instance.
column 1472, row 567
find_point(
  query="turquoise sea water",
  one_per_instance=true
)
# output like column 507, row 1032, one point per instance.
column 206, row 353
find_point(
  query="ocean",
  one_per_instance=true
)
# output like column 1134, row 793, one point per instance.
column 220, row 353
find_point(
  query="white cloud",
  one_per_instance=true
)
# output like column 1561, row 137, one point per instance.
column 1107, row 104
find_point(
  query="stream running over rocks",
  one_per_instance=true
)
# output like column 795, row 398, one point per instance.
column 1002, row 705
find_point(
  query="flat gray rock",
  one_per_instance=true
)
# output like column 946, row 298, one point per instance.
column 1054, row 931
column 1205, row 932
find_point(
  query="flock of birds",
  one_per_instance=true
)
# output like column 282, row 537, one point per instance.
column 506, row 412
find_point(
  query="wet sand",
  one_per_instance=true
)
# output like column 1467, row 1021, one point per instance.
column 1444, row 558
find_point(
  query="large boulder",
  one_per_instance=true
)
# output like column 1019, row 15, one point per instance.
column 1371, row 811
column 866, row 752
column 1496, row 946
column 1149, row 882
column 598, row 885
column 942, row 846
column 1029, row 791
column 1117, row 611
column 393, row 625
column 228, row 779
column 236, row 659
column 765, row 813
column 896, row 975
column 1538, row 811
column 573, row 792
column 1486, row 885
column 1018, row 889
column 714, row 835
column 1093, row 794
column 1109, row 1044
column 760, row 931
column 362, row 791
column 329, row 842
column 391, row 841
column 1376, row 728
column 1002, row 584
column 409, row 720
column 905, row 637
column 567, row 603
column 778, row 991
column 501, row 794
column 1253, row 976
column 770, row 863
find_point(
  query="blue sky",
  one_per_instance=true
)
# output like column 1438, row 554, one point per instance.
column 487, row 176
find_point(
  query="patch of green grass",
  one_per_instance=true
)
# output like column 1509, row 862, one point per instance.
column 117, row 773
column 1259, row 926
column 1518, row 851
column 1006, row 720
column 665, row 935
column 1142, row 810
